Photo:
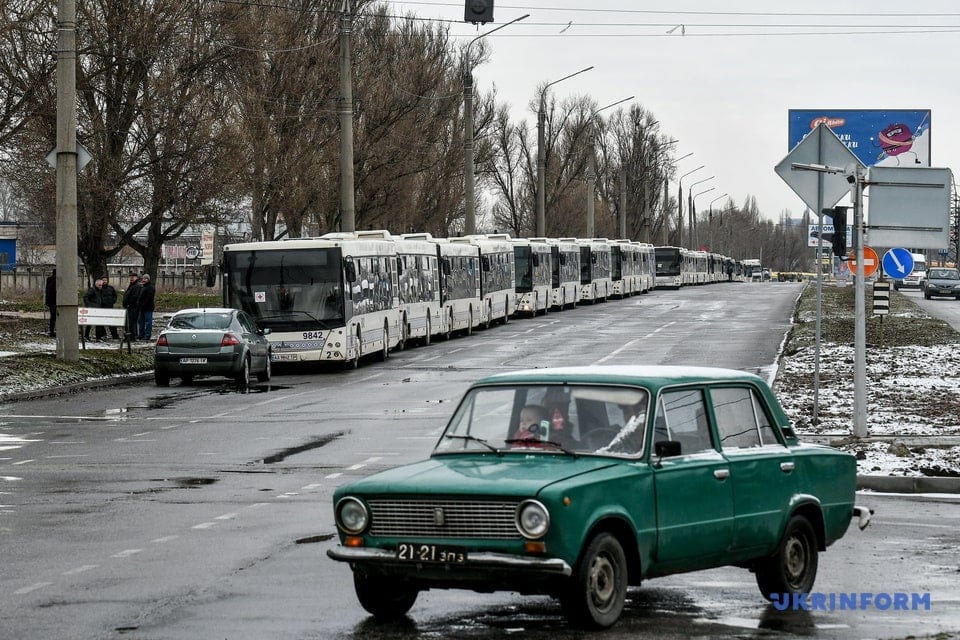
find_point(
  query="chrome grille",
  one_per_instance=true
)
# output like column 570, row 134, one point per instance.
column 443, row 519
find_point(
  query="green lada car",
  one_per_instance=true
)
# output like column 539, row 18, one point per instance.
column 579, row 482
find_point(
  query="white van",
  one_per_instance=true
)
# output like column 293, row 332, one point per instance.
column 916, row 278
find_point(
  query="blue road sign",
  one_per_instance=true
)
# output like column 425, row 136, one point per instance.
column 897, row 263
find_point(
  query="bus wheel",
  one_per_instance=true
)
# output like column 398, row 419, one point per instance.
column 506, row 311
column 428, row 336
column 469, row 330
column 385, row 354
column 355, row 362
column 489, row 320
column 448, row 333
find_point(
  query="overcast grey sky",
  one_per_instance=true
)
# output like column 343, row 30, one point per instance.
column 723, row 80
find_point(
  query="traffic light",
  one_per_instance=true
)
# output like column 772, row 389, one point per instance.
column 839, row 215
column 478, row 11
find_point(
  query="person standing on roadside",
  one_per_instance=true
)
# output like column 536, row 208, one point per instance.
column 145, row 306
column 131, row 302
column 50, row 300
column 108, row 298
column 92, row 300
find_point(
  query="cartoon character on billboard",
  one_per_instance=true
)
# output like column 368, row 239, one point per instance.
column 897, row 141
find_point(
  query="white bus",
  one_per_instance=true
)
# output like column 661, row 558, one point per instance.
column 459, row 284
column 534, row 275
column 418, row 271
column 595, row 281
column 497, row 280
column 699, row 263
column 624, row 268
column 672, row 267
column 648, row 267
column 332, row 298
column 565, row 272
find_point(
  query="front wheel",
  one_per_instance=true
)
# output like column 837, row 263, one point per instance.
column 428, row 336
column 384, row 598
column 793, row 567
column 385, row 354
column 597, row 591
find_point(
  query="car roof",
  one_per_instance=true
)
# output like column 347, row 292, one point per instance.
column 205, row 310
column 646, row 375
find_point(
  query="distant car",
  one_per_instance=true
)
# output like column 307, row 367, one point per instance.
column 942, row 282
column 630, row 473
column 212, row 342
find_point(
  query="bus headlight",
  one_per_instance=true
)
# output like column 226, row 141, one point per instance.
column 352, row 515
column 533, row 519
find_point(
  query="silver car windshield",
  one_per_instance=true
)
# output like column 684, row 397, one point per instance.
column 581, row 419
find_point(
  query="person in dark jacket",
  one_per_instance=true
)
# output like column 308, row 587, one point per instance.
column 108, row 298
column 145, row 307
column 50, row 300
column 92, row 299
column 131, row 302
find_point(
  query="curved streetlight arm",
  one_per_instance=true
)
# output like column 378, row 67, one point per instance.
column 612, row 104
column 700, row 181
column 700, row 193
column 541, row 222
column 469, row 216
column 717, row 198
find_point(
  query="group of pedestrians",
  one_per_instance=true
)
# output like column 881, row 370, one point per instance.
column 138, row 299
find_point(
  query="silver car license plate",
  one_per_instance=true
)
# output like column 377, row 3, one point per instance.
column 193, row 361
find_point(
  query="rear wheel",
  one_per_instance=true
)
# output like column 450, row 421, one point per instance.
column 428, row 336
column 469, row 330
column 793, row 567
column 384, row 598
column 162, row 379
column 242, row 378
column 385, row 354
column 597, row 590
column 404, row 334
column 264, row 376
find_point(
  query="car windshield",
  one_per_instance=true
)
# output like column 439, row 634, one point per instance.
column 944, row 274
column 201, row 321
column 549, row 418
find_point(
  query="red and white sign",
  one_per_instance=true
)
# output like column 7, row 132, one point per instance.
column 871, row 261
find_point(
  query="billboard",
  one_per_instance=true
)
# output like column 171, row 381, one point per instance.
column 878, row 137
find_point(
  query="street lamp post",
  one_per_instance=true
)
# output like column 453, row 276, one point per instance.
column 691, row 214
column 645, row 210
column 666, row 191
column 592, row 169
column 680, row 204
column 541, row 222
column 470, row 221
column 710, row 219
column 693, row 210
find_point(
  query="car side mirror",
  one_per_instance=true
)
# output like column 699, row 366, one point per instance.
column 266, row 331
column 665, row 449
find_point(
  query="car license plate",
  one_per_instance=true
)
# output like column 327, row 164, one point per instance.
column 193, row 361
column 439, row 553
column 283, row 357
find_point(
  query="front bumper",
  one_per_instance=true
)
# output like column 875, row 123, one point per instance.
column 479, row 560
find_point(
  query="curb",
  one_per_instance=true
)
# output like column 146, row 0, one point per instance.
column 908, row 484
column 36, row 394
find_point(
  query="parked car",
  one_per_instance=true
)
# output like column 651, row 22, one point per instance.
column 942, row 281
column 578, row 482
column 212, row 342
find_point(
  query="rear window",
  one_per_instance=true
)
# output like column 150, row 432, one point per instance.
column 201, row 321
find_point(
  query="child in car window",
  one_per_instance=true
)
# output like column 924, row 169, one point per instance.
column 533, row 424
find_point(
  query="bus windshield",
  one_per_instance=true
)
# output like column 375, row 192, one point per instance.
column 287, row 290
column 524, row 268
column 668, row 262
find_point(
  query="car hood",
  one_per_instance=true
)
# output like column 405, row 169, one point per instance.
column 480, row 474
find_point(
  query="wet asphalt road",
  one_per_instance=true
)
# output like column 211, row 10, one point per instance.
column 199, row 512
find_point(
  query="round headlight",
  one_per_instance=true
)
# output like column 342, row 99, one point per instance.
column 533, row 519
column 352, row 515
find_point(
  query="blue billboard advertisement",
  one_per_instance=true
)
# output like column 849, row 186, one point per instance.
column 878, row 137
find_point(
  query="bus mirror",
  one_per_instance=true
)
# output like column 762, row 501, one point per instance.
column 350, row 270
column 485, row 263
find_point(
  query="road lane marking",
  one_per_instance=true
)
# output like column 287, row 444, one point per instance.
column 227, row 516
column 71, row 455
column 80, row 569
column 333, row 475
column 204, row 525
column 311, row 487
column 164, row 539
column 126, row 553
column 32, row 587
column 24, row 461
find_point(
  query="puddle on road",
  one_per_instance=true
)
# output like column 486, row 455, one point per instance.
column 184, row 483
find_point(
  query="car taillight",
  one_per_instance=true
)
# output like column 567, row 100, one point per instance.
column 162, row 340
column 229, row 340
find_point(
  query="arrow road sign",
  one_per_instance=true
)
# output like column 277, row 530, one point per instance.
column 897, row 263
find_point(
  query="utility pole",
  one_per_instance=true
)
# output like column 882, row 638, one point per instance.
column 68, row 339
column 348, row 221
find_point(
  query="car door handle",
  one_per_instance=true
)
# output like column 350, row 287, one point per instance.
column 721, row 474
column 786, row 467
